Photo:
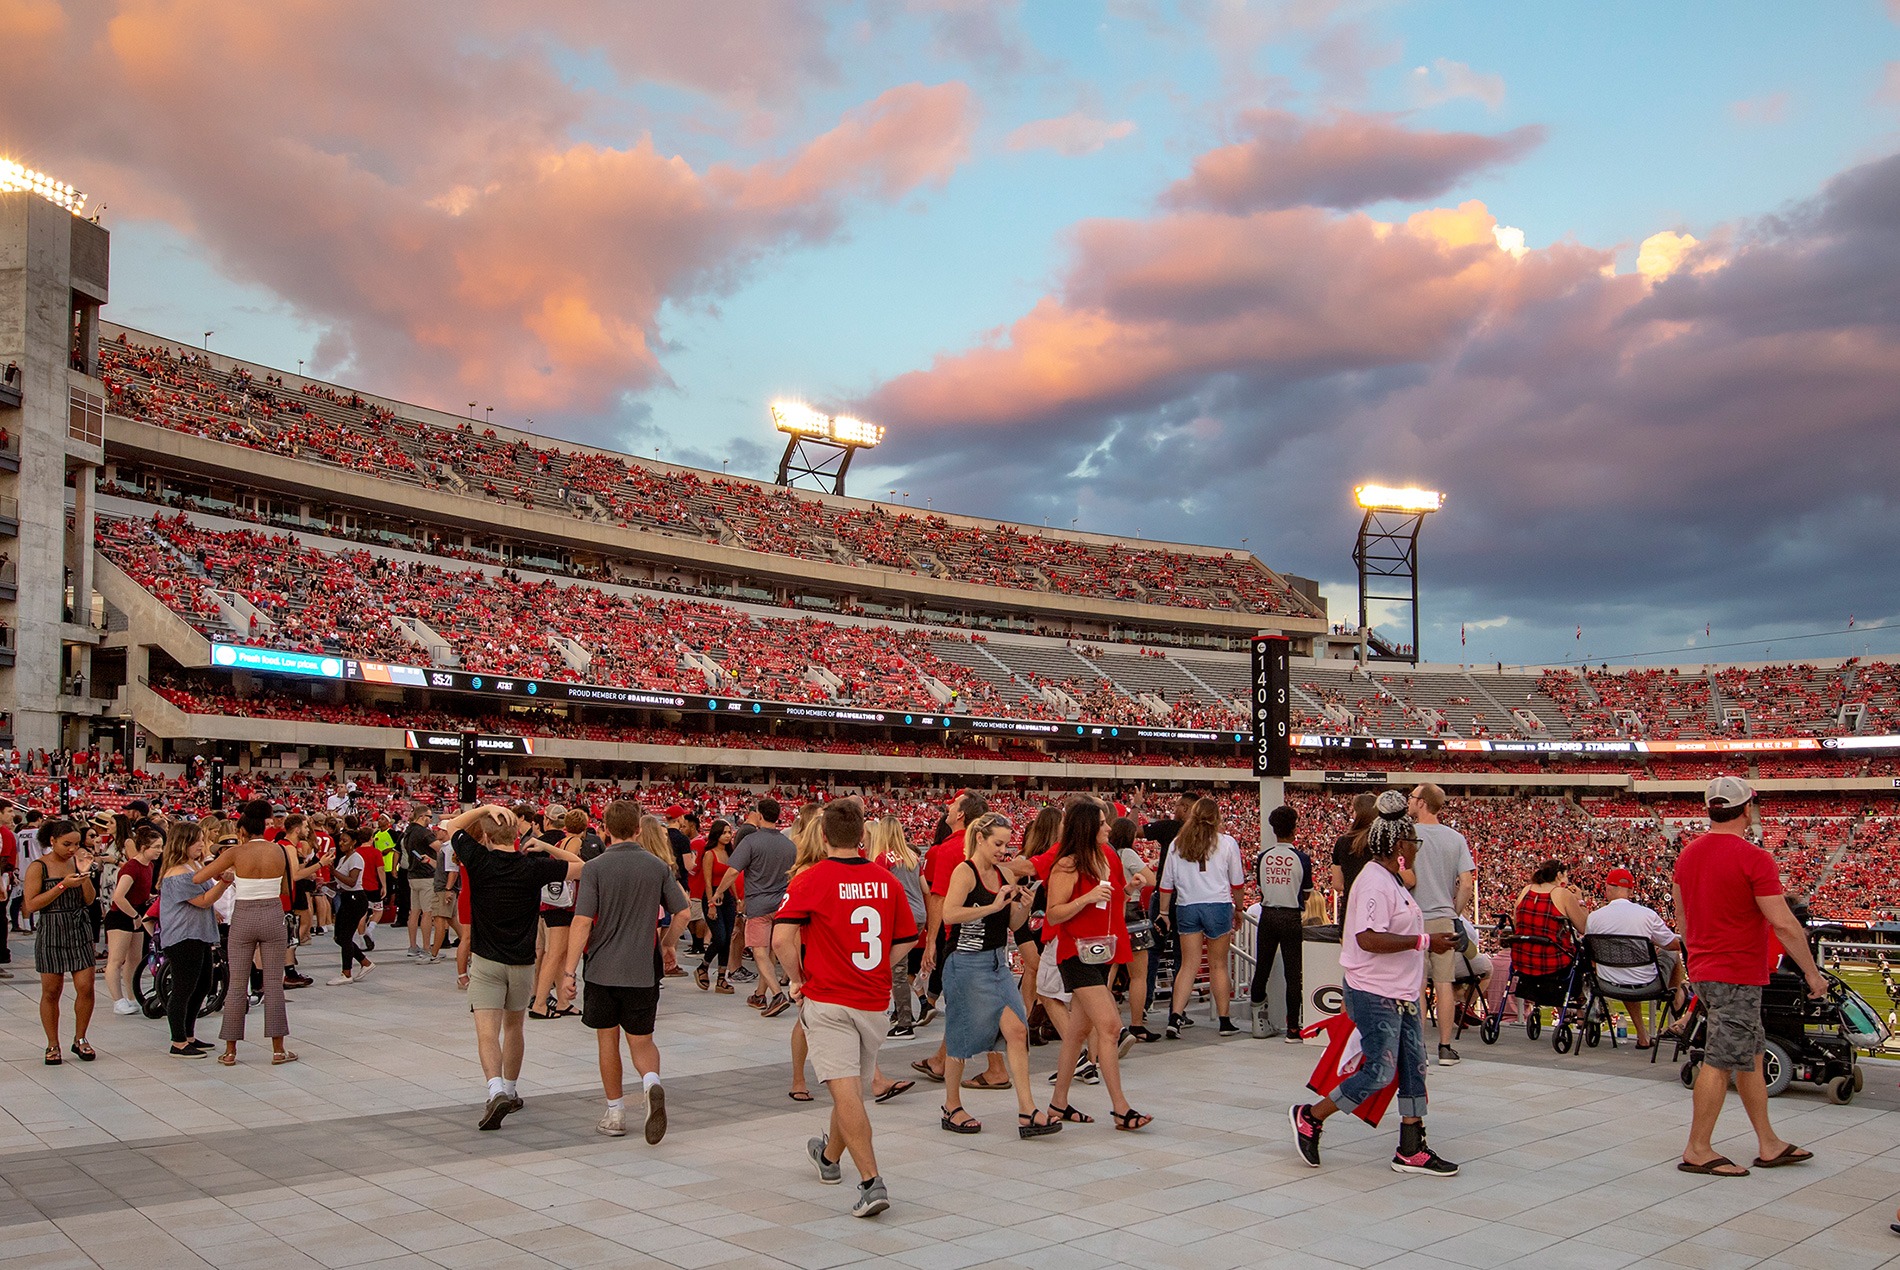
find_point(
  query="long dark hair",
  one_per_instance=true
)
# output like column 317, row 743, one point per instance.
column 1042, row 830
column 1080, row 827
column 1365, row 810
column 716, row 835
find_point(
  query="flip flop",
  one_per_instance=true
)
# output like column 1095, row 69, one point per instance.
column 922, row 1068
column 1713, row 1168
column 1791, row 1155
column 897, row 1087
column 800, row 1095
column 982, row 1082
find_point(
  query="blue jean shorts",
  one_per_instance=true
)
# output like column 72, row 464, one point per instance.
column 1211, row 920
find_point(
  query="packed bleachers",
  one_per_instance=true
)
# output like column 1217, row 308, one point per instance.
column 184, row 391
column 362, row 603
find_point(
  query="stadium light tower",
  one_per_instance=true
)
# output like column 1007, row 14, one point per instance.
column 15, row 176
column 1387, row 550
column 818, row 446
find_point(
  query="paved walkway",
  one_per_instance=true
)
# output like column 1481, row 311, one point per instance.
column 365, row 1154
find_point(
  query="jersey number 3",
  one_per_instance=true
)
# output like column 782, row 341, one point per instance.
column 872, row 955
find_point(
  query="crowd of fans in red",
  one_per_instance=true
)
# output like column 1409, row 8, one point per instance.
column 367, row 605
column 1785, row 700
column 1509, row 836
column 182, row 390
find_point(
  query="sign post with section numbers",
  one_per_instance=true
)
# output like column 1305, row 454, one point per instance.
column 1272, row 731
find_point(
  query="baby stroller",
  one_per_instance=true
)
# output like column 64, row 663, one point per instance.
column 1811, row 1040
column 1560, row 990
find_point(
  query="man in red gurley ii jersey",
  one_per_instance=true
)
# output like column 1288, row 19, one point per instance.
column 843, row 920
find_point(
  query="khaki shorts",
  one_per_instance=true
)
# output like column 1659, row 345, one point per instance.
column 843, row 1042
column 1442, row 967
column 493, row 986
column 421, row 895
column 696, row 910
column 442, row 904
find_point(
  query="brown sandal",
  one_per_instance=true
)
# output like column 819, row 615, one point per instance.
column 283, row 1056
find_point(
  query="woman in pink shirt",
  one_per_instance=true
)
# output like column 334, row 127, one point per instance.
column 1382, row 955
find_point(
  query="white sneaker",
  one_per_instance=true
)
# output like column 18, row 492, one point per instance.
column 417, row 953
column 362, row 970
column 125, row 1006
column 341, row 981
column 613, row 1124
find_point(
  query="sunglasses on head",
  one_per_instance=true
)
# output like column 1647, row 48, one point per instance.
column 229, row 842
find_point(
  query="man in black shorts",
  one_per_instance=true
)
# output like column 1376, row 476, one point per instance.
column 616, row 925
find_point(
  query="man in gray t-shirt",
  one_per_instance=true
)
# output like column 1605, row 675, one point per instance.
column 1446, row 878
column 618, row 904
column 763, row 860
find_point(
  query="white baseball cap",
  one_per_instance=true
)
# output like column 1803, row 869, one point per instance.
column 1727, row 792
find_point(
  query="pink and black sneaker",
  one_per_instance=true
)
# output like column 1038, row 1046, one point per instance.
column 1306, row 1131
column 1416, row 1156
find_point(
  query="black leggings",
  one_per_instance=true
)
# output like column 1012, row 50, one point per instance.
column 351, row 907
column 721, row 920
column 190, row 961
column 1279, row 932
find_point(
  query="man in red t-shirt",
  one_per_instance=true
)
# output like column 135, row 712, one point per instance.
column 1731, row 908
column 842, row 922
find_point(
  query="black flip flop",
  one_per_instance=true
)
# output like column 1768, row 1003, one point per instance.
column 897, row 1087
column 1712, row 1167
column 1792, row 1155
column 800, row 1095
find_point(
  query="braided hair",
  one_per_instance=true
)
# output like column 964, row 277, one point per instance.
column 1392, row 827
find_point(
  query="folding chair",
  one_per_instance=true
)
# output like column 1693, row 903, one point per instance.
column 1626, row 952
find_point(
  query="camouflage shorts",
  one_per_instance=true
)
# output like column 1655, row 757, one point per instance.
column 1736, row 1036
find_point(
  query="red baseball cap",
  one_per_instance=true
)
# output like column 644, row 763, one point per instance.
column 1620, row 877
column 676, row 811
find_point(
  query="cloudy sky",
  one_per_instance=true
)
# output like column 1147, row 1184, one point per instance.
column 1622, row 279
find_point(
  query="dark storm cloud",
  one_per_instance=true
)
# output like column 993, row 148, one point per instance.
column 1717, row 445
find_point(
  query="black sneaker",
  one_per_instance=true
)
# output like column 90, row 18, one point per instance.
column 1426, row 1161
column 1227, row 1027
column 926, row 1011
column 1447, row 1057
column 900, row 1030
column 1306, row 1131
column 1173, row 1030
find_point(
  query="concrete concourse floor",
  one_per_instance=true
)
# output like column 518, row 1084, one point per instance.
column 366, row 1154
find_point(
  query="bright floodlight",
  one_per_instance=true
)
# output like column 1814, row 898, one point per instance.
column 15, row 177
column 1385, row 498
column 796, row 419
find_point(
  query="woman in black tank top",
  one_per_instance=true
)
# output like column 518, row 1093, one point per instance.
column 983, row 1009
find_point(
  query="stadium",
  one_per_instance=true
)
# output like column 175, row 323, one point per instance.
column 312, row 586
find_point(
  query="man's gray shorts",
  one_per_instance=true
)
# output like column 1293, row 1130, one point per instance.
column 1736, row 1036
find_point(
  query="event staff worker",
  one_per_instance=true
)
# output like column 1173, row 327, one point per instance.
column 1382, row 955
column 1285, row 875
column 1730, row 903
column 842, row 923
